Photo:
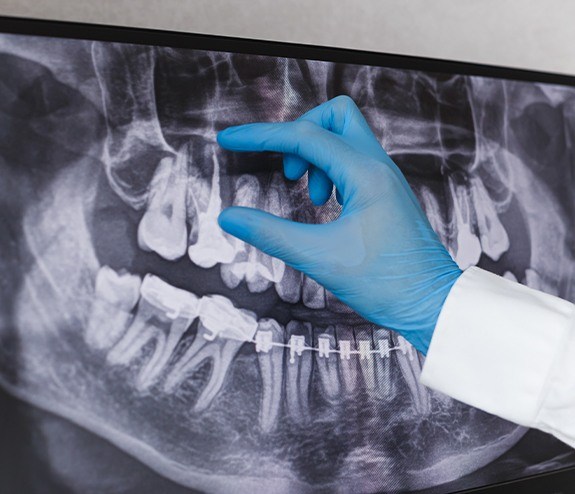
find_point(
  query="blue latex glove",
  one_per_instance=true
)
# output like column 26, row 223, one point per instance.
column 380, row 257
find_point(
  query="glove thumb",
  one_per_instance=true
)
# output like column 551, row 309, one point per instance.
column 277, row 237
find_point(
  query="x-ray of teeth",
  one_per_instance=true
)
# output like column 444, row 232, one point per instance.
column 131, row 317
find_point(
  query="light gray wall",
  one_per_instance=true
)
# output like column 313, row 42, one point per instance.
column 530, row 34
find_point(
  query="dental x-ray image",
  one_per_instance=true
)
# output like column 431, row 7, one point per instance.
column 151, row 352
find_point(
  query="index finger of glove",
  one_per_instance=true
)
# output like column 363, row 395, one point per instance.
column 309, row 141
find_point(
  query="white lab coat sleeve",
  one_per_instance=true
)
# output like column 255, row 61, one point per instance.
column 506, row 349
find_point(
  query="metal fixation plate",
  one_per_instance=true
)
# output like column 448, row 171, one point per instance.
column 296, row 346
column 323, row 344
column 345, row 349
column 383, row 348
column 264, row 341
column 364, row 349
column 405, row 347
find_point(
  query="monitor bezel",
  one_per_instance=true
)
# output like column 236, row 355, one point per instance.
column 556, row 481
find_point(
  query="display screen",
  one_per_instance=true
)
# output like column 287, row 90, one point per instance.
column 148, row 351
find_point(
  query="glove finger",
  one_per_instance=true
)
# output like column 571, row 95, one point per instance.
column 287, row 240
column 342, row 116
column 319, row 186
column 341, row 163
column 294, row 167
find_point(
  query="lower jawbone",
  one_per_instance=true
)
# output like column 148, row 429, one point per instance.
column 344, row 432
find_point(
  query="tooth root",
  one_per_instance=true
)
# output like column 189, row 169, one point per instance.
column 289, row 288
column 211, row 246
column 271, row 362
column 163, row 315
column 433, row 213
column 115, row 296
column 348, row 361
column 278, row 202
column 221, row 364
column 365, row 346
column 327, row 364
column 492, row 234
column 298, row 373
column 467, row 249
column 163, row 228
column 384, row 370
column 410, row 368
column 313, row 294
column 222, row 331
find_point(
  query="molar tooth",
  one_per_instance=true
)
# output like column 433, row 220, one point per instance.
column 290, row 286
column 298, row 374
column 115, row 295
column 271, row 362
column 163, row 229
column 327, row 363
column 313, row 294
column 248, row 263
column 384, row 370
column 163, row 315
column 348, row 362
column 492, row 234
column 211, row 245
column 222, row 331
column 410, row 367
column 365, row 346
column 467, row 248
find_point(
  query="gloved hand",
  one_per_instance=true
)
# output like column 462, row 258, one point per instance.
column 380, row 257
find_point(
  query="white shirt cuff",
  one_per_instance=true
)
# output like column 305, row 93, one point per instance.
column 506, row 349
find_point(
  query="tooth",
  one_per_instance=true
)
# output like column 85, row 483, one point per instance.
column 326, row 363
column 384, row 370
column 298, row 373
column 313, row 294
column 433, row 213
column 336, row 305
column 163, row 315
column 222, row 331
column 115, row 295
column 289, row 288
column 211, row 245
column 492, row 234
column 508, row 275
column 410, row 367
column 364, row 343
column 163, row 229
column 348, row 361
column 277, row 203
column 271, row 361
column 248, row 264
column 467, row 248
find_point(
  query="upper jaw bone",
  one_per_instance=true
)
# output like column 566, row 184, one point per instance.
column 115, row 296
column 210, row 244
column 222, row 331
column 163, row 228
column 164, row 314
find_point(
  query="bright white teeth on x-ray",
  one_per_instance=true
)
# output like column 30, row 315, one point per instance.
column 492, row 234
column 348, row 361
column 115, row 295
column 298, row 370
column 410, row 367
column 327, row 363
column 163, row 228
column 271, row 362
column 364, row 344
column 467, row 248
column 254, row 267
column 209, row 244
column 313, row 294
column 163, row 315
column 384, row 370
column 222, row 331
column 290, row 287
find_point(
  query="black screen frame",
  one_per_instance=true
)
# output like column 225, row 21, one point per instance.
column 556, row 482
